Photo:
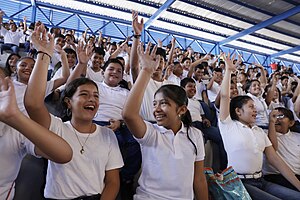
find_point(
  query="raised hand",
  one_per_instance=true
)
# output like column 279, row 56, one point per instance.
column 136, row 25
column 273, row 116
column 148, row 60
column 8, row 105
column 42, row 40
column 229, row 62
column 84, row 52
column 2, row 13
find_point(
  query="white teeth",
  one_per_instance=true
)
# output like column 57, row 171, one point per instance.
column 90, row 107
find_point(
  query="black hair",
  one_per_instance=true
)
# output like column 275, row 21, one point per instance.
column 221, row 62
column 287, row 112
column 71, row 88
column 113, row 60
column 99, row 50
column 178, row 95
column 7, row 66
column 249, row 83
column 218, row 70
column 284, row 77
column 184, row 59
column 59, row 35
column 185, row 81
column 70, row 51
column 160, row 51
column 237, row 102
column 200, row 66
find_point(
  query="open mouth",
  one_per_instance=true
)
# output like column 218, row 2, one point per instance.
column 91, row 108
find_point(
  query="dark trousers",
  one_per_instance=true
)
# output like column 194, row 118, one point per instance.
column 280, row 180
column 14, row 48
column 213, row 133
column 132, row 157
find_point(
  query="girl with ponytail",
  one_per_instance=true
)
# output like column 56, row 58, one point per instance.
column 172, row 150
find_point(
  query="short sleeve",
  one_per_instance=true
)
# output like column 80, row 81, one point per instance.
column 149, row 135
column 200, row 145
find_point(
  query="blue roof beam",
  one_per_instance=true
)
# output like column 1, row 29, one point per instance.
column 287, row 51
column 261, row 25
column 156, row 15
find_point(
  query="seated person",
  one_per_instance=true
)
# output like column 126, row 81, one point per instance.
column 199, row 121
column 287, row 145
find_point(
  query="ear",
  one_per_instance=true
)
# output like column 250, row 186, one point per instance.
column 291, row 123
column 182, row 110
column 238, row 111
column 67, row 101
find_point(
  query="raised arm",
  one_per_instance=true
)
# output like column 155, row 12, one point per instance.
column 270, row 93
column 137, row 30
column 225, row 89
column 195, row 63
column 149, row 62
column 25, row 25
column 47, row 144
column 64, row 66
column 35, row 93
column 171, row 52
column 272, row 131
column 1, row 17
column 84, row 54
column 263, row 77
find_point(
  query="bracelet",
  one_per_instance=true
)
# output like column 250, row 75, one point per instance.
column 137, row 36
column 44, row 53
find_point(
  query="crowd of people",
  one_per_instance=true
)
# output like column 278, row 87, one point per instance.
column 103, row 112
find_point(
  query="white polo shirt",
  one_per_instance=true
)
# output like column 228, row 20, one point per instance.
column 168, row 163
column 95, row 76
column 244, row 145
column 262, row 117
column 20, row 89
column 288, row 150
column 11, row 37
column 200, row 87
column 146, row 110
column 175, row 79
column 111, row 102
column 213, row 92
column 195, row 109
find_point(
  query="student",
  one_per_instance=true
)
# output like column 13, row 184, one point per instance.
column 11, row 64
column 199, row 121
column 172, row 150
column 13, row 144
column 286, row 143
column 94, row 169
column 246, row 143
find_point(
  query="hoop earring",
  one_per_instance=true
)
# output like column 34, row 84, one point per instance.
column 69, row 112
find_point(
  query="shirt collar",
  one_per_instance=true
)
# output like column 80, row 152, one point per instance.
column 112, row 88
column 164, row 130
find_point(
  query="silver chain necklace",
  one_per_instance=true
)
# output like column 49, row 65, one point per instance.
column 82, row 145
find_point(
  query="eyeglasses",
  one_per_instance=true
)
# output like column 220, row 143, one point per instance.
column 281, row 116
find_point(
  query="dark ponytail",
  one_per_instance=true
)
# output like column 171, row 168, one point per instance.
column 178, row 95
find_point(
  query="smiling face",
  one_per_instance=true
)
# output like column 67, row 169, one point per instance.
column 190, row 89
column 283, row 123
column 24, row 69
column 247, row 114
column 84, row 103
column 255, row 88
column 71, row 59
column 113, row 74
column 166, row 111
column 233, row 90
column 97, row 61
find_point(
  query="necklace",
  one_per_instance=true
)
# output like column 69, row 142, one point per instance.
column 82, row 145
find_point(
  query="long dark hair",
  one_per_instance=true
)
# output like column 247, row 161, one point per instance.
column 7, row 66
column 178, row 95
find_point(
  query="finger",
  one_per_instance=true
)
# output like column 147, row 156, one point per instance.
column 3, row 84
column 147, row 51
column 153, row 52
column 10, row 85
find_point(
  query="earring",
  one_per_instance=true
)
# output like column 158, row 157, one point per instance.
column 179, row 116
column 69, row 112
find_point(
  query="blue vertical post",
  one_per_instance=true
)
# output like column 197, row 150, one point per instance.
column 33, row 11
